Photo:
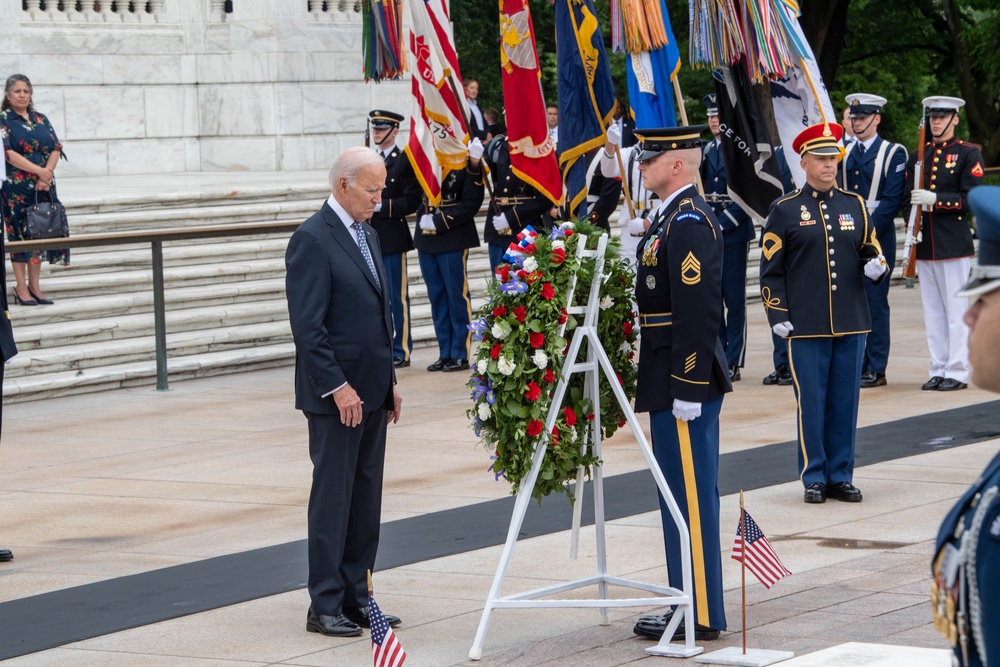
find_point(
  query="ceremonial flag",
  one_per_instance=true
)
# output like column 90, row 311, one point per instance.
column 386, row 649
column 381, row 40
column 650, row 72
column 752, row 171
column 800, row 97
column 532, row 153
column 586, row 93
column 439, row 112
column 760, row 557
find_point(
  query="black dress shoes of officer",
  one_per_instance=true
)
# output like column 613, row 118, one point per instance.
column 932, row 384
column 400, row 363
column 951, row 384
column 5, row 555
column 360, row 615
column 734, row 373
column 332, row 626
column 438, row 365
column 653, row 627
column 815, row 493
column 456, row 365
column 871, row 379
column 781, row 376
column 844, row 491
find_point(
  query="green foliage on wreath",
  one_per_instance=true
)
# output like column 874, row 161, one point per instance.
column 519, row 354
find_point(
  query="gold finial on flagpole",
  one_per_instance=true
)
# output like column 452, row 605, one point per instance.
column 370, row 589
column 741, row 498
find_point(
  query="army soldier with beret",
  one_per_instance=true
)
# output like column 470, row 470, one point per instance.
column 682, row 367
column 965, row 590
column 951, row 168
column 443, row 239
column 817, row 247
column 400, row 198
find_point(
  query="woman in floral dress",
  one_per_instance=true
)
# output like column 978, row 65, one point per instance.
column 32, row 151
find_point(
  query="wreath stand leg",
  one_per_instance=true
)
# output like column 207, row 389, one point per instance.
column 596, row 362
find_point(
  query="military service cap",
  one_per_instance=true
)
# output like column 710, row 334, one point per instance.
column 659, row 140
column 863, row 104
column 985, row 277
column 821, row 139
column 384, row 119
column 711, row 105
column 943, row 106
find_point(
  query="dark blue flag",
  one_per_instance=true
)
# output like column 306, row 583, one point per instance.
column 650, row 80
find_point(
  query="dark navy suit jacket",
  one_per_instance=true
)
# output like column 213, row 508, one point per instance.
column 737, row 227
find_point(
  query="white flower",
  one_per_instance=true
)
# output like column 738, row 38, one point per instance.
column 572, row 434
column 559, row 244
column 484, row 411
column 482, row 365
column 505, row 365
column 541, row 359
column 530, row 265
column 500, row 330
column 625, row 348
column 606, row 302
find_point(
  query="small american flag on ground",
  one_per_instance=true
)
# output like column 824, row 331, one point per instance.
column 760, row 559
column 385, row 647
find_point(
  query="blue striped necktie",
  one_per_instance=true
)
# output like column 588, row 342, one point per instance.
column 363, row 244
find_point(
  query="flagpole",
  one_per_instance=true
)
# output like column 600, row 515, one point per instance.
column 743, row 571
column 625, row 182
column 684, row 120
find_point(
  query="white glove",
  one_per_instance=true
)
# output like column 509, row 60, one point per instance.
column 686, row 411
column 875, row 267
column 923, row 197
column 614, row 134
column 475, row 149
column 378, row 207
column 427, row 222
column 910, row 240
column 636, row 226
column 500, row 222
column 782, row 329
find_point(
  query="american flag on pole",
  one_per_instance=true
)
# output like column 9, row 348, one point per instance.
column 760, row 557
column 385, row 647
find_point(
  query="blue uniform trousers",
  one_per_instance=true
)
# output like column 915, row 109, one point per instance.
column 448, row 291
column 826, row 373
column 399, row 304
column 496, row 255
column 780, row 355
column 733, row 332
column 688, row 456
column 877, row 347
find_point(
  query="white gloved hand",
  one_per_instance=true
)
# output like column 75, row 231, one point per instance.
column 427, row 222
column 782, row 329
column 500, row 222
column 378, row 207
column 614, row 134
column 910, row 240
column 923, row 197
column 875, row 267
column 636, row 226
column 475, row 149
column 686, row 411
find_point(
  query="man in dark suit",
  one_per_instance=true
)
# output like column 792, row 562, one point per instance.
column 682, row 368
column 7, row 346
column 401, row 197
column 338, row 308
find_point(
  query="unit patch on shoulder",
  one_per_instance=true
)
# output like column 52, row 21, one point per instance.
column 690, row 270
column 977, row 171
column 770, row 245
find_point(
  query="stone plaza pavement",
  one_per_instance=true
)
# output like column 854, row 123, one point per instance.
column 105, row 485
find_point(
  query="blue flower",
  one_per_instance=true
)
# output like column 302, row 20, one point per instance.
column 514, row 286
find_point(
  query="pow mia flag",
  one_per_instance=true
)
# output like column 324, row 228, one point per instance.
column 752, row 171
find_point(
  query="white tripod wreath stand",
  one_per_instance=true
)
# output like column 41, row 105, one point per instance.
column 596, row 361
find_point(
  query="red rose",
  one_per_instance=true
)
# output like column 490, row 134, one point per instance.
column 535, row 427
column 570, row 415
column 499, row 311
column 536, row 340
column 529, row 250
column 621, row 422
column 627, row 327
column 532, row 277
column 590, row 416
column 563, row 316
column 555, row 437
column 558, row 256
column 568, row 233
column 548, row 292
column 520, row 313
column 495, row 352
column 521, row 274
column 620, row 380
column 504, row 272
column 550, row 377
column 533, row 391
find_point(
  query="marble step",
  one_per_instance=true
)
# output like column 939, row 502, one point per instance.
column 120, row 221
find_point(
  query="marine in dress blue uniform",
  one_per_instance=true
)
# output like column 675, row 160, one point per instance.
column 682, row 367
column 965, row 589
column 817, row 248
column 875, row 169
column 400, row 198
column 444, row 235
column 737, row 233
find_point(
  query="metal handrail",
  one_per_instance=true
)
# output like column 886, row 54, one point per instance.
column 155, row 239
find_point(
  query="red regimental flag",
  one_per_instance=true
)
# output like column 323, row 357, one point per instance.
column 532, row 153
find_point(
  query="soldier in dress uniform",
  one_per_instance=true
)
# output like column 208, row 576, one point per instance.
column 951, row 168
column 817, row 248
column 737, row 233
column 965, row 589
column 875, row 169
column 603, row 193
column 515, row 204
column 682, row 367
column 399, row 199
column 443, row 240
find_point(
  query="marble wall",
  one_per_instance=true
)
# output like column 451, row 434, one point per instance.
column 180, row 85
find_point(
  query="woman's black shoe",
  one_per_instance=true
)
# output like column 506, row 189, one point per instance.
column 21, row 302
column 39, row 300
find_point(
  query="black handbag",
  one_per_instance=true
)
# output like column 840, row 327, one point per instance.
column 45, row 220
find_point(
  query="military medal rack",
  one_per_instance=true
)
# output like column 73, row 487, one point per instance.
column 596, row 362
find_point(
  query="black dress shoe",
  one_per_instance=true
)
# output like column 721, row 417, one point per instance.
column 360, row 616
column 653, row 627
column 5, row 555
column 844, row 491
column 438, row 365
column 332, row 626
column 932, row 384
column 781, row 376
column 951, row 384
column 456, row 365
column 23, row 302
column 872, row 379
column 815, row 493
column 400, row 363
column 39, row 300
column 734, row 373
